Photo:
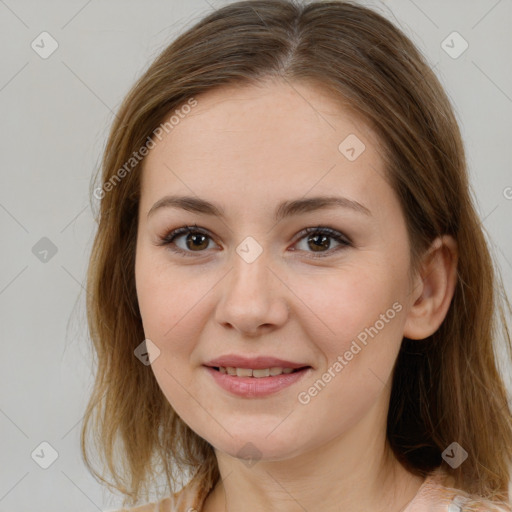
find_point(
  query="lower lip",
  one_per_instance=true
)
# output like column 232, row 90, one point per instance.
column 254, row 387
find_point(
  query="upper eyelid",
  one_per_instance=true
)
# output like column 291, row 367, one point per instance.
column 183, row 230
column 173, row 234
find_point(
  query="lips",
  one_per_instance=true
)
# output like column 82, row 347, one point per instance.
column 251, row 387
column 255, row 377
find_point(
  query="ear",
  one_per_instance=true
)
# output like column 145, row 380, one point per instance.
column 433, row 289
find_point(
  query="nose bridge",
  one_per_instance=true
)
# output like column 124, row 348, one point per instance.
column 250, row 277
column 252, row 295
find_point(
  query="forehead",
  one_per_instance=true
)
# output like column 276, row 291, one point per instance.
column 267, row 140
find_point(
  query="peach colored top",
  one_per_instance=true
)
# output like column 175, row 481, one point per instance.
column 432, row 496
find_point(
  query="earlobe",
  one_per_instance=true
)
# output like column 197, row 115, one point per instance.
column 434, row 289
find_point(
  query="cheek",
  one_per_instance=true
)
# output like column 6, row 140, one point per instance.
column 167, row 299
column 364, row 313
column 174, row 309
column 347, row 302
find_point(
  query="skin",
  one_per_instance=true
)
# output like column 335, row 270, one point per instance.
column 247, row 149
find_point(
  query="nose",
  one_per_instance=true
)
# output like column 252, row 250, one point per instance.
column 253, row 298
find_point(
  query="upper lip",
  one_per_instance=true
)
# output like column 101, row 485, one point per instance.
column 260, row 362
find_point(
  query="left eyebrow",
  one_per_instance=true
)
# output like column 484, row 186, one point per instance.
column 298, row 206
column 285, row 209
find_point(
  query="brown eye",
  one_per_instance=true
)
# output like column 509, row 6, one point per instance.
column 196, row 241
column 317, row 242
column 320, row 240
column 186, row 240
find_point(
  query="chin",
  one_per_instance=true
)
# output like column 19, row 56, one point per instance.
column 256, row 444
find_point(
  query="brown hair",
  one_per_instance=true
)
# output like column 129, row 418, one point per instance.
column 447, row 387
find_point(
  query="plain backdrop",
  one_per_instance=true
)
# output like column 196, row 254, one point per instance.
column 55, row 116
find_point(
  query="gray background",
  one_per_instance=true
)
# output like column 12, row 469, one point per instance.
column 56, row 113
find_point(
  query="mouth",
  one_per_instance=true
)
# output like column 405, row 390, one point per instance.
column 257, row 373
column 257, row 382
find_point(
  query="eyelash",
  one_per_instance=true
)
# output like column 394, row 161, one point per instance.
column 168, row 239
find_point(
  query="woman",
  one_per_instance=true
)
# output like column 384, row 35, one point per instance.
column 290, row 294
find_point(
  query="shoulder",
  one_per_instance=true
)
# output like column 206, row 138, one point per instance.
column 160, row 506
column 148, row 507
column 189, row 499
column 437, row 495
column 465, row 503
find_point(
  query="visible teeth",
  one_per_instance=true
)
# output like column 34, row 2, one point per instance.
column 257, row 373
column 261, row 373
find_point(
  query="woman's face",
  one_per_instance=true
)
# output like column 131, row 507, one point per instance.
column 251, row 283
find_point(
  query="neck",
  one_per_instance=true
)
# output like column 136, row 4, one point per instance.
column 353, row 472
